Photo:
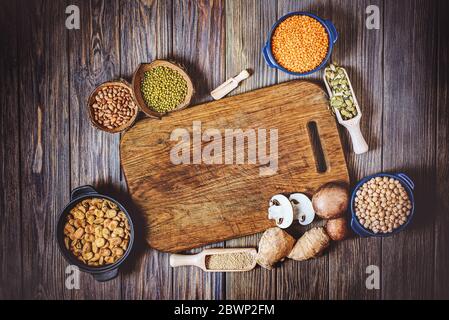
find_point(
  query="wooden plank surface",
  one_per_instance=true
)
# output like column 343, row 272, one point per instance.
column 48, row 147
column 198, row 44
column 247, row 21
column 359, row 50
column 316, row 284
column 11, row 242
column 44, row 145
column 144, row 40
column 441, row 277
column 94, row 57
column 405, row 131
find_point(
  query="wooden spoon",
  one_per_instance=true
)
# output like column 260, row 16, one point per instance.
column 199, row 259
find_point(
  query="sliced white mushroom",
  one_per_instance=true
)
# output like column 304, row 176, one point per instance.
column 302, row 208
column 280, row 209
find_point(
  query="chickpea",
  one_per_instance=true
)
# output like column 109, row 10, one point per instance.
column 382, row 205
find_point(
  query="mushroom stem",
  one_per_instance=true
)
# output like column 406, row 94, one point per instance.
column 275, row 212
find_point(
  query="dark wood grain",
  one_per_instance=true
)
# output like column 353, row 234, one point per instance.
column 409, row 122
column 47, row 145
column 246, row 25
column 10, row 226
column 359, row 50
column 441, row 277
column 198, row 43
column 145, row 35
column 316, row 284
column 44, row 145
column 94, row 57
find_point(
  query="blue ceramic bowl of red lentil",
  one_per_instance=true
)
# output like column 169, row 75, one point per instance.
column 332, row 37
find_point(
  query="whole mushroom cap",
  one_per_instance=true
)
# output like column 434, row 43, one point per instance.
column 331, row 200
column 337, row 229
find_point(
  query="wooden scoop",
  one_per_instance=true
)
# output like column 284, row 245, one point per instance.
column 199, row 259
column 229, row 85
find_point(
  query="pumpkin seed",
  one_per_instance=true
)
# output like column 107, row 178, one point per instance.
column 342, row 98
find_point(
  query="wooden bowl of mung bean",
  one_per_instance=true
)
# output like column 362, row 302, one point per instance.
column 161, row 87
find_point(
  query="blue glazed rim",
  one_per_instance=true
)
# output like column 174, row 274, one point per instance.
column 409, row 186
column 331, row 33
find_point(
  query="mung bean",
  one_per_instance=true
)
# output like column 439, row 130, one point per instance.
column 163, row 88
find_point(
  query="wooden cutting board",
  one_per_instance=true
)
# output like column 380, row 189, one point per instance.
column 191, row 205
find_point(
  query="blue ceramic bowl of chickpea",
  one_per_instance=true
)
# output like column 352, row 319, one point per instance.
column 382, row 204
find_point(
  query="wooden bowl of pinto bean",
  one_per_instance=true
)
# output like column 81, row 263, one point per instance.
column 112, row 107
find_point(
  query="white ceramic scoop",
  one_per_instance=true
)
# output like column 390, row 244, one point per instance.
column 199, row 259
column 359, row 144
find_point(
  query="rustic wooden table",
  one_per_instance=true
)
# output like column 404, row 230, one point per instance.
column 48, row 147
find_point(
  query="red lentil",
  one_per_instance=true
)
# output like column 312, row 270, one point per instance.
column 300, row 43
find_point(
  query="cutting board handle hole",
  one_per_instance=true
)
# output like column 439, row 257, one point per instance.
column 317, row 148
